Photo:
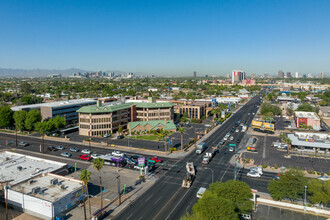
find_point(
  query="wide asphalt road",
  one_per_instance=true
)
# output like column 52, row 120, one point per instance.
column 166, row 199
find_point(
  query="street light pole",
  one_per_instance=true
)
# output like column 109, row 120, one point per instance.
column 305, row 198
column 211, row 171
column 118, row 178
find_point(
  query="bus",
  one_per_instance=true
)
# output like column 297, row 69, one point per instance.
column 113, row 161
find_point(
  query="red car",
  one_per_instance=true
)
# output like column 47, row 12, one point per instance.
column 84, row 157
column 156, row 159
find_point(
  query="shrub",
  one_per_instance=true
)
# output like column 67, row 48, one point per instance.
column 264, row 166
column 276, row 166
column 318, row 173
column 185, row 146
column 138, row 133
column 310, row 171
column 247, row 160
column 328, row 173
column 132, row 133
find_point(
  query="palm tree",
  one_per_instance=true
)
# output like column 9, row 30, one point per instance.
column 181, row 130
column 85, row 177
column 98, row 164
column 214, row 112
column 42, row 127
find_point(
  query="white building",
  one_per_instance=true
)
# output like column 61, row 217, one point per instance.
column 46, row 196
column 297, row 75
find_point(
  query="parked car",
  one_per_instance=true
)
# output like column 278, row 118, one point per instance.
column 94, row 156
column 238, row 140
column 276, row 177
column 237, row 130
column 225, row 138
column 253, row 174
column 117, row 153
column 23, row 143
column 156, row 159
column 135, row 157
column 231, row 138
column 59, row 148
column 84, row 157
column 120, row 136
column 65, row 154
column 73, row 149
column 86, row 151
column 323, row 178
column 231, row 149
column 107, row 135
column 50, row 148
column 222, row 142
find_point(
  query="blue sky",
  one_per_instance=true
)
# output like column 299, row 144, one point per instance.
column 166, row 37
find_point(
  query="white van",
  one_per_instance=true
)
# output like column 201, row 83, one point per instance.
column 200, row 192
column 257, row 169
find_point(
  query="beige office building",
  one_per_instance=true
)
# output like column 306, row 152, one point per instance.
column 195, row 110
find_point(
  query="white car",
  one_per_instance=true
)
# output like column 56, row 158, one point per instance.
column 256, row 169
column 249, row 113
column 253, row 174
column 117, row 153
column 231, row 138
column 59, row 148
column 65, row 154
column 86, row 151
column 200, row 192
column 237, row 130
column 231, row 149
column 225, row 138
column 323, row 178
column 94, row 156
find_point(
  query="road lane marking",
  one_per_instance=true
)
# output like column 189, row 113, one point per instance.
column 178, row 203
column 224, row 173
column 155, row 217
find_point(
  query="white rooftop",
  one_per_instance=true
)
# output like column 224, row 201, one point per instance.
column 30, row 166
column 312, row 115
column 49, row 191
column 55, row 104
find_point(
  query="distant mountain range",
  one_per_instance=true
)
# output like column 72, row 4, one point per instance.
column 4, row 72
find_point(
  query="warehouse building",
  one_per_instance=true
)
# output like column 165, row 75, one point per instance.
column 306, row 141
column 306, row 119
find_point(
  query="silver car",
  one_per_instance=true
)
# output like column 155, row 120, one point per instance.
column 65, row 154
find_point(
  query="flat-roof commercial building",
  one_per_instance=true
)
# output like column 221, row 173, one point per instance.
column 307, row 119
column 310, row 141
column 99, row 120
column 20, row 167
column 66, row 109
column 146, row 111
column 46, row 195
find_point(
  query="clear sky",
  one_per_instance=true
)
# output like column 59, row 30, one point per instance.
column 166, row 37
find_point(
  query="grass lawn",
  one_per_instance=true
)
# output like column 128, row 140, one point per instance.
column 147, row 137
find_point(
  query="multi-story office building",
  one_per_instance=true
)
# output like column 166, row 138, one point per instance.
column 321, row 75
column 106, row 119
column 288, row 74
column 195, row 74
column 66, row 109
column 195, row 110
column 280, row 74
column 237, row 76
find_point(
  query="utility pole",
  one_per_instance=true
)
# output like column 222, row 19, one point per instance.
column 16, row 134
column 305, row 198
column 118, row 178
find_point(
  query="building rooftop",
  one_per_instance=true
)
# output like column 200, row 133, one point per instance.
column 19, row 167
column 169, row 125
column 105, row 108
column 154, row 105
column 55, row 104
column 52, row 187
column 310, row 140
column 311, row 115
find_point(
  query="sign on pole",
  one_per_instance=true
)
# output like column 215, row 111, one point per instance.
column 75, row 167
column 141, row 161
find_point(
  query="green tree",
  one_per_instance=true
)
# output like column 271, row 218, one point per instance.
column 181, row 130
column 306, row 107
column 291, row 185
column 319, row 191
column 25, row 88
column 19, row 118
column 32, row 117
column 6, row 117
column 211, row 206
column 120, row 129
column 236, row 191
column 98, row 165
column 85, row 177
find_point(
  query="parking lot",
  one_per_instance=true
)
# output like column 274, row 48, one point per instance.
column 271, row 156
column 191, row 132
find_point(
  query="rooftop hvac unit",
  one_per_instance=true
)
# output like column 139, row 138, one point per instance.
column 30, row 181
column 63, row 187
column 19, row 168
column 36, row 189
column 53, row 181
